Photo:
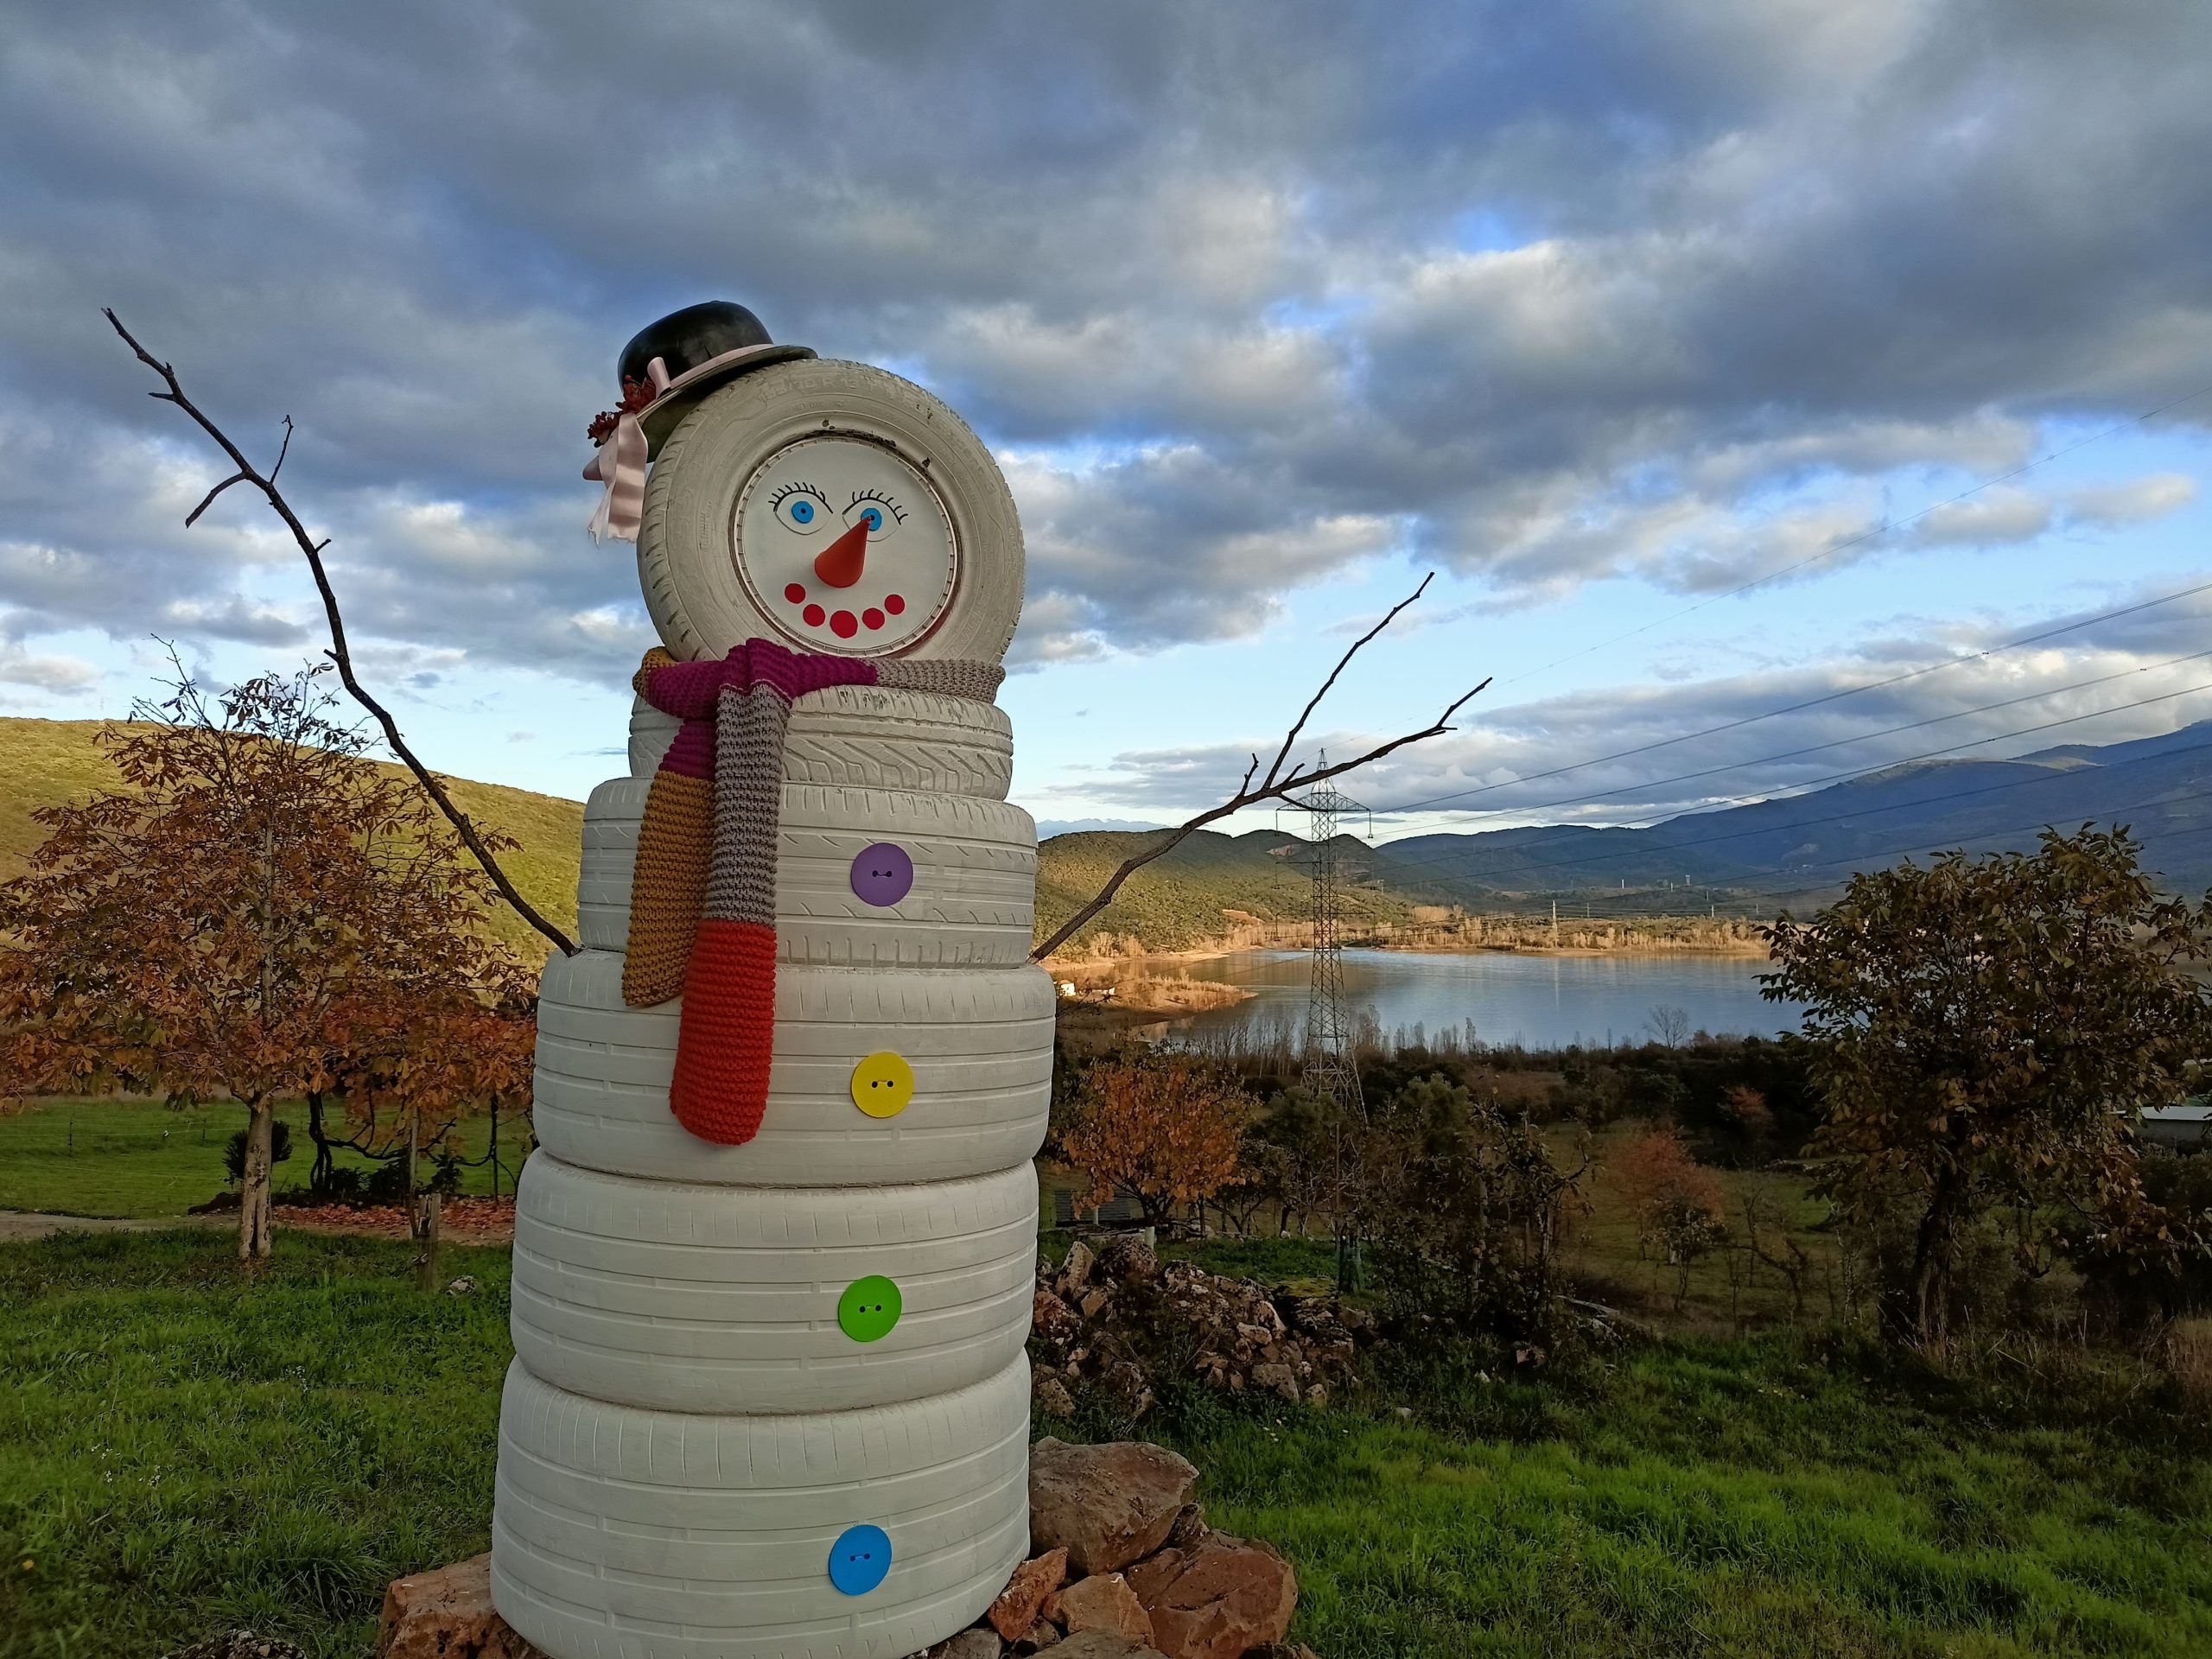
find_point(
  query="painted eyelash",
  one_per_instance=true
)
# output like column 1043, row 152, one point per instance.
column 784, row 490
column 898, row 512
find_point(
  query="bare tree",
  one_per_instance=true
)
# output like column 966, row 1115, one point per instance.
column 1670, row 1025
column 1273, row 784
column 247, row 474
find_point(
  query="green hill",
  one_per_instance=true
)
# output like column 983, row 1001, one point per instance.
column 50, row 762
column 1200, row 890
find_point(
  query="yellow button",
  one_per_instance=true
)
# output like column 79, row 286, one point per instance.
column 882, row 1084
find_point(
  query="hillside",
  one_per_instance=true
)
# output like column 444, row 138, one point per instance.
column 49, row 762
column 1252, row 888
column 1805, row 848
column 1745, row 861
column 1209, row 888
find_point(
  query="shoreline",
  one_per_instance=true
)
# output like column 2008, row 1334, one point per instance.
column 1213, row 951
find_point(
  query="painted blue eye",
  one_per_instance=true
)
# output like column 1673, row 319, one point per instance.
column 800, row 507
column 878, row 511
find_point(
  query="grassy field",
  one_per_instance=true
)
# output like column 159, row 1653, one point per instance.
column 49, row 762
column 140, row 1158
column 183, row 1448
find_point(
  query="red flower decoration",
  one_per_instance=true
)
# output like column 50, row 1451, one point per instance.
column 636, row 394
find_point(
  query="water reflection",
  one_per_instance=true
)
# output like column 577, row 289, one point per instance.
column 1498, row 998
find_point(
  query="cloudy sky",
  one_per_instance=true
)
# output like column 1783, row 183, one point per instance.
column 1718, row 357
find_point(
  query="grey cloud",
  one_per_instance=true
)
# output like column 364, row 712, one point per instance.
column 1553, row 759
column 1547, row 300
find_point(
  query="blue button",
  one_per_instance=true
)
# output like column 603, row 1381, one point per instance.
column 859, row 1559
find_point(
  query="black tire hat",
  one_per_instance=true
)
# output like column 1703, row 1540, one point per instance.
column 698, row 348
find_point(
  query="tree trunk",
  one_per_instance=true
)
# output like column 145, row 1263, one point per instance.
column 253, row 1187
column 429, row 1214
column 318, row 1173
column 1932, row 1245
column 423, row 1216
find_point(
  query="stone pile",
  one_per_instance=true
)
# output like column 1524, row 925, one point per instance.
column 1121, row 1566
column 1112, row 1314
column 1126, row 1568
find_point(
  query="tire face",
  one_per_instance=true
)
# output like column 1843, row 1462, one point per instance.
column 720, row 1298
column 691, row 587
column 972, row 902
column 624, row 1534
column 872, row 737
column 980, row 1045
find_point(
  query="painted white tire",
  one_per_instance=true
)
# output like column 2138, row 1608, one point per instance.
column 972, row 904
column 725, row 1299
column 872, row 737
column 691, row 587
column 623, row 1533
column 980, row 1046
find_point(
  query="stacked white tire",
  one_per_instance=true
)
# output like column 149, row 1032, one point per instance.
column 770, row 1400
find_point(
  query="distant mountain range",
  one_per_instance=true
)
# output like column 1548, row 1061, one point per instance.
column 1809, row 845
column 1743, row 861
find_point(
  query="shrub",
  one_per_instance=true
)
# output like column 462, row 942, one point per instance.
column 280, row 1149
column 1463, row 1205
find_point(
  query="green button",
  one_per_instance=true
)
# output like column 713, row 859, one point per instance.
column 869, row 1308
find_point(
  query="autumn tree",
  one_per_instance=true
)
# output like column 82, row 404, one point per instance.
column 1986, row 1033
column 1163, row 1125
column 458, row 1031
column 1676, row 1201
column 254, row 906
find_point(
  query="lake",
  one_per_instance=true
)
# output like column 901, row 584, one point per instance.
column 1533, row 1002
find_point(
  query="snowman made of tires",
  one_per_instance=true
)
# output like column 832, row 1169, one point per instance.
column 773, row 1254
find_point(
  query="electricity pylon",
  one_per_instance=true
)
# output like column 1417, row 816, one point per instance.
column 1330, row 1065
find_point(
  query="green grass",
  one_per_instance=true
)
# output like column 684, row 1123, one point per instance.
column 1766, row 1497
column 49, row 762
column 184, row 1448
column 143, row 1159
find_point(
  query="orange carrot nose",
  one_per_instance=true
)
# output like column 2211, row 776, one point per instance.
column 839, row 564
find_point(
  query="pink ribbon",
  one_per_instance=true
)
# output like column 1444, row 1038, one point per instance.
column 620, row 465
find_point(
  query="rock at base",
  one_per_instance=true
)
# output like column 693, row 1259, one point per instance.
column 1015, row 1610
column 1106, row 1505
column 446, row 1614
column 1103, row 1644
column 977, row 1643
column 1102, row 1602
column 1218, row 1600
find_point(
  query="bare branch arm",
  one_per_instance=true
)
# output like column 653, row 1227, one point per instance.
column 1275, row 786
column 338, row 653
column 1306, row 713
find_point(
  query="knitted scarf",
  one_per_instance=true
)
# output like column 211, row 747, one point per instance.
column 703, row 902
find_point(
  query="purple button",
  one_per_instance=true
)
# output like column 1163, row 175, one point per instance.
column 883, row 875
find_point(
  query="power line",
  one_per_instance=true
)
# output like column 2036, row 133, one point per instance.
column 1923, row 846
column 1881, row 529
column 1810, row 702
column 1795, row 824
column 1568, row 831
column 1889, row 731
